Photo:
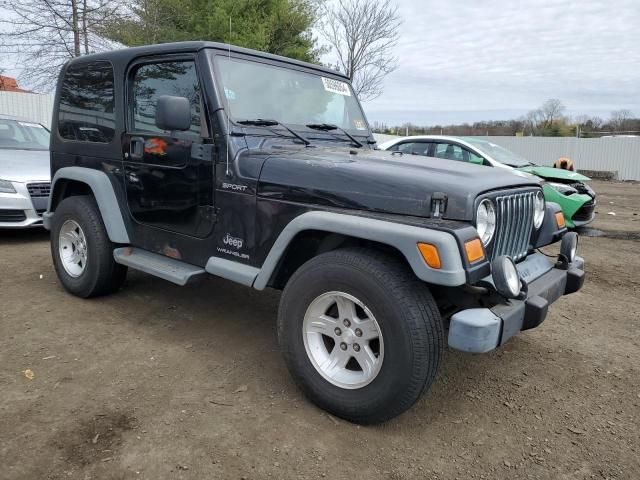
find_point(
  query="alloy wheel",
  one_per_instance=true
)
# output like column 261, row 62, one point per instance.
column 343, row 340
column 72, row 248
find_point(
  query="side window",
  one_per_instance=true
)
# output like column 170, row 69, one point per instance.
column 420, row 148
column 405, row 147
column 411, row 148
column 450, row 151
column 86, row 111
column 167, row 78
column 477, row 159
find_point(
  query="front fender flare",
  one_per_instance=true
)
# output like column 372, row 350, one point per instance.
column 102, row 189
column 400, row 236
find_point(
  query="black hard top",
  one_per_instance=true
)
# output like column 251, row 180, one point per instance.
column 125, row 55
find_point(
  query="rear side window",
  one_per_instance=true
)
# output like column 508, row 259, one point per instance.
column 451, row 152
column 86, row 110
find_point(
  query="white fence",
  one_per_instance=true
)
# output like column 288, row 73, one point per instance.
column 617, row 154
column 30, row 106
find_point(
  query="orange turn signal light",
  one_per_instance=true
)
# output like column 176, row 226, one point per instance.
column 560, row 219
column 473, row 249
column 430, row 254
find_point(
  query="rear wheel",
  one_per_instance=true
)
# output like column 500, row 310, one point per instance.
column 81, row 250
column 361, row 335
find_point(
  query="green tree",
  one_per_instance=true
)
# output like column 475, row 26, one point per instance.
column 282, row 27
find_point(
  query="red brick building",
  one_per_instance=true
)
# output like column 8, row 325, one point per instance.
column 9, row 84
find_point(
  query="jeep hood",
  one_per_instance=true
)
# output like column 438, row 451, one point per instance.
column 374, row 180
column 549, row 173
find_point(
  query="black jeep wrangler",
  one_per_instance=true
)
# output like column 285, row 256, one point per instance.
column 188, row 159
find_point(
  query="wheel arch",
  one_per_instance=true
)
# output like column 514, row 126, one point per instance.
column 309, row 243
column 70, row 181
column 315, row 232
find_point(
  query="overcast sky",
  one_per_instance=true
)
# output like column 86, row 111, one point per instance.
column 469, row 60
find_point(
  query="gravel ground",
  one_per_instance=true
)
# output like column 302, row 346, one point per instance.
column 160, row 381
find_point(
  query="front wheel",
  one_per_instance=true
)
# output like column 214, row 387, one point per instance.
column 81, row 250
column 360, row 334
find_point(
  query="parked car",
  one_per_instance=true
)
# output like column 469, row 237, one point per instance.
column 24, row 172
column 567, row 188
column 260, row 169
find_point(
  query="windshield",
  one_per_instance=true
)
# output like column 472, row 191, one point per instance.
column 499, row 153
column 17, row 135
column 257, row 90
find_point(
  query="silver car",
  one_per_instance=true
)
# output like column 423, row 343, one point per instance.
column 25, row 176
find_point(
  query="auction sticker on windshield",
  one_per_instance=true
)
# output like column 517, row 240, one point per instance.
column 336, row 86
column 360, row 125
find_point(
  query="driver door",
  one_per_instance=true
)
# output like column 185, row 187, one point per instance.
column 168, row 175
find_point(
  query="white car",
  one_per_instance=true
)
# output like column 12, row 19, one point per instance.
column 25, row 175
column 456, row 148
column 566, row 188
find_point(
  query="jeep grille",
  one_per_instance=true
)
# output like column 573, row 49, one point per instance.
column 514, row 225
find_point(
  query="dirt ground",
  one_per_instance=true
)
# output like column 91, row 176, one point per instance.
column 160, row 381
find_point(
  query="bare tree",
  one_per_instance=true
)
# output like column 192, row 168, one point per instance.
column 43, row 34
column 531, row 121
column 544, row 117
column 551, row 111
column 596, row 122
column 619, row 119
column 581, row 119
column 363, row 34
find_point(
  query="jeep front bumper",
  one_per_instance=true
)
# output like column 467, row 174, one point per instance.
column 480, row 330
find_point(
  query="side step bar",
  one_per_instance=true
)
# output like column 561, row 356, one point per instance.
column 166, row 268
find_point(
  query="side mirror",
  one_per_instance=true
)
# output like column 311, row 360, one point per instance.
column 173, row 113
column 476, row 160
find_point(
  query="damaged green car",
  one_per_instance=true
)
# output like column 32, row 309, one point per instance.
column 566, row 188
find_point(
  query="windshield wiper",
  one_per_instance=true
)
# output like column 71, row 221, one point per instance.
column 265, row 122
column 329, row 126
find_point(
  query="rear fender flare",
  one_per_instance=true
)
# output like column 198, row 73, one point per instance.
column 102, row 189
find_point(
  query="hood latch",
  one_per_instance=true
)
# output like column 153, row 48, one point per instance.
column 438, row 204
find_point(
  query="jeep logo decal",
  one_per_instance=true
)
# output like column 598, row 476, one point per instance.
column 233, row 241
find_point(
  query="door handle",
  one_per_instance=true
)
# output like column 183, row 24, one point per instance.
column 136, row 148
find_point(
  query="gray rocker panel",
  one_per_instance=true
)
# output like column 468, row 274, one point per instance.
column 163, row 267
column 234, row 271
column 105, row 198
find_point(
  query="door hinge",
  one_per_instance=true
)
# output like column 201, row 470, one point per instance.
column 202, row 151
column 209, row 213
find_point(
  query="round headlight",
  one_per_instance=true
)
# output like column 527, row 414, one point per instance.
column 486, row 221
column 538, row 209
column 505, row 277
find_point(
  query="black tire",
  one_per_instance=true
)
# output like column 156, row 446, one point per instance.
column 101, row 275
column 408, row 317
